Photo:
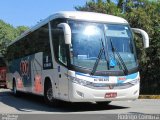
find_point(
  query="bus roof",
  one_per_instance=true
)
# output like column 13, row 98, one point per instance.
column 88, row 16
column 77, row 15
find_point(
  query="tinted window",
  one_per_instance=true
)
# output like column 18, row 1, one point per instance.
column 37, row 41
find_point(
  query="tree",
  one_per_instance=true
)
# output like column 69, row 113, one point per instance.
column 120, row 3
column 21, row 29
column 101, row 6
column 147, row 18
column 144, row 16
column 8, row 33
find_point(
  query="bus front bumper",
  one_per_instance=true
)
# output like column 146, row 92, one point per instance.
column 79, row 93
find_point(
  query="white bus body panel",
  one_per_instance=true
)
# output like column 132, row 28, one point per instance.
column 79, row 93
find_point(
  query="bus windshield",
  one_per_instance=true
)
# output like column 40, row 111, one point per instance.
column 92, row 41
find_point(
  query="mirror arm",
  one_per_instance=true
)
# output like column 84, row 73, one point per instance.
column 67, row 32
column 144, row 35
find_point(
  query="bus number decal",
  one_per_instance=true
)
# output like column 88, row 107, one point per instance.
column 24, row 67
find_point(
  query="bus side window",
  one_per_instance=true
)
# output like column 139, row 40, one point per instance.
column 58, row 42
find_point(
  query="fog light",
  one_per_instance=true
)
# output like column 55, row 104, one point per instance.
column 135, row 92
column 80, row 93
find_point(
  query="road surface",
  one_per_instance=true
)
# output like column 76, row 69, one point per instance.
column 30, row 104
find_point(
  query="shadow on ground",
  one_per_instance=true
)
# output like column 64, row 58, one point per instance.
column 30, row 103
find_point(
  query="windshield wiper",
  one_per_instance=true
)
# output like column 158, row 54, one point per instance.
column 125, row 70
column 102, row 50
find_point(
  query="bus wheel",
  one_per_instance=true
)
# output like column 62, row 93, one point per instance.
column 48, row 95
column 104, row 103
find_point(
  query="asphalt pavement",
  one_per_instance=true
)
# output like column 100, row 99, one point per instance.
column 31, row 104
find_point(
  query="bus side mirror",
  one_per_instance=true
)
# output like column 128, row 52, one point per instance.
column 144, row 35
column 67, row 32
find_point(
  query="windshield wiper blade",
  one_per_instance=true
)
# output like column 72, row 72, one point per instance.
column 97, row 61
column 102, row 50
column 125, row 70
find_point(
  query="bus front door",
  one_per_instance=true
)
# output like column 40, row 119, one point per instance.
column 62, row 82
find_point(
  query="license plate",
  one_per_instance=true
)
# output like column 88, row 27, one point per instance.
column 111, row 95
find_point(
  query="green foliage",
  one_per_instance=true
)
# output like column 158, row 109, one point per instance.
column 7, row 34
column 145, row 16
column 21, row 29
column 100, row 6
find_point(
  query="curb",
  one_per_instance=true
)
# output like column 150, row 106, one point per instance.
column 149, row 97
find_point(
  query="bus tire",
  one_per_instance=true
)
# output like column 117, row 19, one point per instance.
column 48, row 95
column 104, row 103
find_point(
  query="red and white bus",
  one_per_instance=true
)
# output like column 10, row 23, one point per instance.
column 2, row 72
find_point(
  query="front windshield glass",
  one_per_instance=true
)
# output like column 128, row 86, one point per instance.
column 88, row 40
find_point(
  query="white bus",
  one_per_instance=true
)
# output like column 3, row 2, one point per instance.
column 77, row 57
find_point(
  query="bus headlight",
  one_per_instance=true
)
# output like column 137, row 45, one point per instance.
column 80, row 81
column 133, row 82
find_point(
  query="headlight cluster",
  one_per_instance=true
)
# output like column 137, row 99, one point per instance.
column 87, row 83
column 133, row 82
column 102, row 85
column 80, row 81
